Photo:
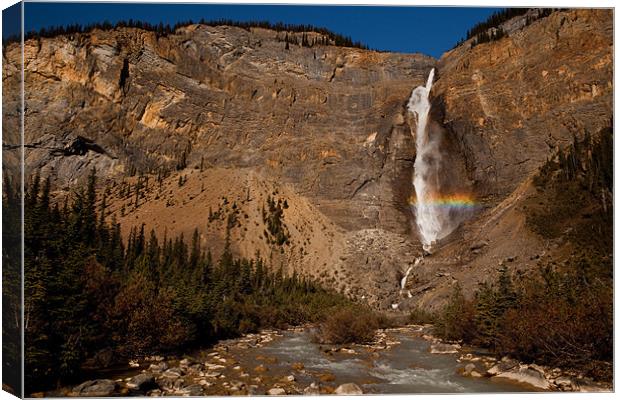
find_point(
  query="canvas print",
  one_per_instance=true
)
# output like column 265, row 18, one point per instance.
column 226, row 200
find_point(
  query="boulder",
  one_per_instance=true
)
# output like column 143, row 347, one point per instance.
column 348, row 388
column 526, row 374
column 444, row 348
column 469, row 368
column 276, row 391
column 95, row 388
column 564, row 383
column 312, row 390
column 193, row 390
column 141, row 382
column 162, row 366
column 506, row 364
column 172, row 373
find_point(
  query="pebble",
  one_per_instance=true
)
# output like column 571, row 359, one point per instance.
column 297, row 366
column 261, row 369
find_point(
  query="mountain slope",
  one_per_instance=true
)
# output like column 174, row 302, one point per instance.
column 222, row 116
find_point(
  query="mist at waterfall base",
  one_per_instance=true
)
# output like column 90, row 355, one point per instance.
column 437, row 214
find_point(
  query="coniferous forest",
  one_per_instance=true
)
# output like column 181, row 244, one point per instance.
column 94, row 299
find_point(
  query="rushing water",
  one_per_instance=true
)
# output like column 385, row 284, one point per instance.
column 407, row 367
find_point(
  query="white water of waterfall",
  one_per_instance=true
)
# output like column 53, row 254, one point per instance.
column 403, row 281
column 432, row 219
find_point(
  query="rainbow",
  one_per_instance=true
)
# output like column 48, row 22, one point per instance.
column 462, row 201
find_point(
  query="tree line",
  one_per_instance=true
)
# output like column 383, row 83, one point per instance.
column 161, row 29
column 489, row 30
column 323, row 40
column 92, row 298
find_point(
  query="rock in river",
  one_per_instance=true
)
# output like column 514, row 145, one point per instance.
column 142, row 382
column 506, row 364
column 444, row 348
column 312, row 390
column 193, row 390
column 527, row 374
column 276, row 391
column 96, row 388
column 348, row 388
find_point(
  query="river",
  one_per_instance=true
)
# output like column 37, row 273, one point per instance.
column 405, row 366
column 400, row 361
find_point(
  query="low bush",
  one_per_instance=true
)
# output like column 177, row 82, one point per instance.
column 456, row 320
column 350, row 325
column 420, row 316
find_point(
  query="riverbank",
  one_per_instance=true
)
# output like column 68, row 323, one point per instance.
column 400, row 360
column 479, row 364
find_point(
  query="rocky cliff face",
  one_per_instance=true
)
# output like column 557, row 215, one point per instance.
column 238, row 119
column 506, row 107
column 508, row 103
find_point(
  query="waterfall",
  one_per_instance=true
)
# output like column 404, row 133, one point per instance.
column 403, row 282
column 432, row 212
